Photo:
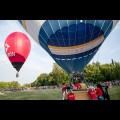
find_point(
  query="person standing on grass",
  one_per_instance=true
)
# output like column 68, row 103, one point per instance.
column 99, row 92
column 92, row 93
column 106, row 94
column 65, row 88
column 70, row 95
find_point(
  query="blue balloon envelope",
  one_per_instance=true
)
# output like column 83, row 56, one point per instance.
column 71, row 43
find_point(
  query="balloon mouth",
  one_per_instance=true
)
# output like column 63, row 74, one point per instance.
column 17, row 65
column 74, row 35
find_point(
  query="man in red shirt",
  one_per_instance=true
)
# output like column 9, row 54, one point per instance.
column 99, row 92
column 70, row 95
column 77, row 85
column 92, row 94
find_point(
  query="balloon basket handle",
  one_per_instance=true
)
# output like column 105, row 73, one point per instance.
column 17, row 74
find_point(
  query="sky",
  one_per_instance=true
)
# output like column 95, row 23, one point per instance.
column 39, row 61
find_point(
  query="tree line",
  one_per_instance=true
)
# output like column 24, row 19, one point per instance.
column 97, row 72
column 94, row 72
column 13, row 85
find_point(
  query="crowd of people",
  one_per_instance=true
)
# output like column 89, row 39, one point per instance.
column 31, row 88
column 115, row 82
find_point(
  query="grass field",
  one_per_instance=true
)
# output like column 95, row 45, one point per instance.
column 49, row 94
column 45, row 94
column 114, row 93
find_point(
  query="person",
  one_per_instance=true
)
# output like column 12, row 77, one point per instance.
column 105, row 91
column 76, row 85
column 65, row 88
column 110, row 84
column 83, row 85
column 92, row 93
column 70, row 95
column 99, row 92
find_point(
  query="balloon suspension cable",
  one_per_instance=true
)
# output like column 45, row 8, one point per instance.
column 17, row 74
column 98, row 56
column 84, row 79
column 97, row 61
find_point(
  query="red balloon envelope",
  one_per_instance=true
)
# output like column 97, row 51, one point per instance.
column 17, row 47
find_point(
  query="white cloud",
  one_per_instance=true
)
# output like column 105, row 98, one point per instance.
column 4, row 60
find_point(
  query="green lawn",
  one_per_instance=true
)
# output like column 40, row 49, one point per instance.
column 45, row 94
column 114, row 92
column 49, row 94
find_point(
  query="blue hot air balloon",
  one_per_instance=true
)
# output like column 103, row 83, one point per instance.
column 71, row 43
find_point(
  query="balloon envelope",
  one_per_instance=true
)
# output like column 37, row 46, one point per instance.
column 71, row 43
column 17, row 47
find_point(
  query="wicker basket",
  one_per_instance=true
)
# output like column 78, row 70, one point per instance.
column 81, row 95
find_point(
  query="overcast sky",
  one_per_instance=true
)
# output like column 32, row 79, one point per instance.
column 39, row 61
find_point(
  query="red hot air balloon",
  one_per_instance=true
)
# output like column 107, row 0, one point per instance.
column 17, row 47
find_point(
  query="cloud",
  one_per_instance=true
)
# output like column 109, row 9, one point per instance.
column 4, row 60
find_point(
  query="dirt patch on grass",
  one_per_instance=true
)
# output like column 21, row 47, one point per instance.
column 1, row 93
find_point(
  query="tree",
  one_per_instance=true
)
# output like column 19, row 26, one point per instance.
column 41, row 80
column 57, row 77
column 15, row 84
column 94, row 72
column 27, row 85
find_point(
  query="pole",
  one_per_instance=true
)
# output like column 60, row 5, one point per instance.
column 72, row 80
